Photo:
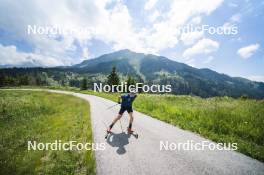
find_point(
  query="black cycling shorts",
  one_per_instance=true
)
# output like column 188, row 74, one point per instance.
column 125, row 108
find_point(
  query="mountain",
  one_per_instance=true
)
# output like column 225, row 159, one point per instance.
column 161, row 70
column 147, row 68
column 27, row 64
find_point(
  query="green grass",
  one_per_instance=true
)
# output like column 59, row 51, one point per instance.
column 43, row 117
column 221, row 119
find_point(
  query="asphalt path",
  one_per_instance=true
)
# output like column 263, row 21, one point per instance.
column 125, row 154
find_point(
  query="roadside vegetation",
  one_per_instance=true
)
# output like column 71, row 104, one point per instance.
column 221, row 119
column 43, row 117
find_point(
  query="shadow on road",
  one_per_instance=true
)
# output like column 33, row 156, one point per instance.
column 118, row 140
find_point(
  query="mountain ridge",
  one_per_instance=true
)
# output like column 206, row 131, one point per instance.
column 185, row 79
column 127, row 50
column 150, row 69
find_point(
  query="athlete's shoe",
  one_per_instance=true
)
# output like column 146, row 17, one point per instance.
column 108, row 130
column 129, row 131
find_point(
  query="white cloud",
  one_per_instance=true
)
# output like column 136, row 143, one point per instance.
column 154, row 16
column 248, row 51
column 236, row 18
column 15, row 18
column 203, row 46
column 86, row 53
column 191, row 62
column 164, row 33
column 10, row 56
column 191, row 37
column 196, row 20
column 150, row 4
column 259, row 78
column 208, row 60
column 232, row 23
column 111, row 24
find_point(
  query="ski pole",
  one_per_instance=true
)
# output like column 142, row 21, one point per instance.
column 112, row 106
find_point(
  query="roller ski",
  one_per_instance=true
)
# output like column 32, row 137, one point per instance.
column 131, row 132
column 108, row 133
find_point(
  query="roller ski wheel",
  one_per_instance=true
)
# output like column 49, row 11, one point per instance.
column 131, row 132
column 108, row 132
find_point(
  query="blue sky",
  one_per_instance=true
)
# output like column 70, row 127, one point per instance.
column 149, row 26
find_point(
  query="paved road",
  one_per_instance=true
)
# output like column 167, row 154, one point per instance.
column 127, row 155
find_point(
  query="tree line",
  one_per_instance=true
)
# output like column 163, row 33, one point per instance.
column 56, row 77
column 112, row 79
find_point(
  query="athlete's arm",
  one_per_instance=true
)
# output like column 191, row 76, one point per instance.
column 119, row 100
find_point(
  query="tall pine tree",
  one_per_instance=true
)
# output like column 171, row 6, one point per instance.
column 113, row 78
column 84, row 84
column 130, row 81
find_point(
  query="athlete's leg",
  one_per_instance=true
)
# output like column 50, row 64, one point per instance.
column 131, row 118
column 114, row 121
column 121, row 111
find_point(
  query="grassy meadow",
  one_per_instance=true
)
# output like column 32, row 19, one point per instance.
column 43, row 117
column 221, row 119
